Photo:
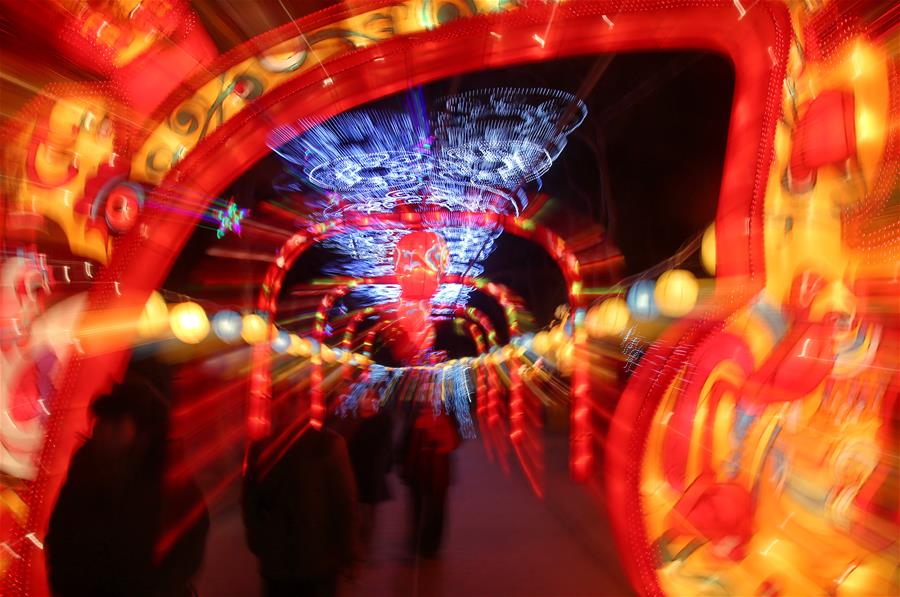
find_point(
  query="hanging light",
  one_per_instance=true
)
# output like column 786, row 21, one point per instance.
column 708, row 250
column 254, row 329
column 281, row 342
column 328, row 355
column 227, row 326
column 640, row 300
column 609, row 318
column 189, row 322
column 676, row 293
column 540, row 345
column 154, row 318
column 420, row 259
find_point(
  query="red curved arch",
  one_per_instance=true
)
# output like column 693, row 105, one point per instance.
column 757, row 45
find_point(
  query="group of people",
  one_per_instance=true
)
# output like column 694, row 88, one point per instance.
column 310, row 514
column 123, row 526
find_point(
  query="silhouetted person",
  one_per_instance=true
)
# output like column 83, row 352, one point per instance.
column 300, row 516
column 427, row 470
column 370, row 446
column 107, row 534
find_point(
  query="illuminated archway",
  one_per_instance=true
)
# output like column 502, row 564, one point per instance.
column 757, row 44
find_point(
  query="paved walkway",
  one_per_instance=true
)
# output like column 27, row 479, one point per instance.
column 501, row 541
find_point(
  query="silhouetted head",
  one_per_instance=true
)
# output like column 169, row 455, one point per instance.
column 131, row 423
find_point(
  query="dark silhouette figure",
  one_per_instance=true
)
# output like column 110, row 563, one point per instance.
column 428, row 469
column 117, row 528
column 370, row 447
column 300, row 516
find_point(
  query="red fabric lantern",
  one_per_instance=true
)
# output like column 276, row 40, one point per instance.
column 721, row 513
column 824, row 135
column 420, row 259
column 414, row 335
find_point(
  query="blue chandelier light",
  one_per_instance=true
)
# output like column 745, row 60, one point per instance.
column 472, row 152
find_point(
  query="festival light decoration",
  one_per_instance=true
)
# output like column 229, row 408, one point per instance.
column 420, row 258
column 758, row 69
column 154, row 318
column 541, row 343
column 254, row 329
column 189, row 322
column 229, row 219
column 609, row 318
column 676, row 293
column 281, row 342
column 122, row 207
column 472, row 153
column 640, row 300
column 708, row 249
column 824, row 135
column 227, row 326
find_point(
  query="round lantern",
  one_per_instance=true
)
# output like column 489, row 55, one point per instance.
column 304, row 347
column 189, row 322
column 254, row 330
column 565, row 357
column 676, row 293
column 558, row 336
column 281, row 342
column 123, row 206
column 640, row 300
column 327, row 354
column 227, row 326
column 294, row 346
column 708, row 250
column 540, row 344
column 154, row 318
column 420, row 258
column 609, row 318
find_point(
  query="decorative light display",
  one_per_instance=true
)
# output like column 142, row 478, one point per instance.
column 420, row 258
column 281, row 342
column 676, row 293
column 122, row 207
column 507, row 136
column 229, row 219
column 227, row 326
column 708, row 250
column 609, row 318
column 189, row 322
column 154, row 318
column 472, row 153
column 640, row 300
column 254, row 329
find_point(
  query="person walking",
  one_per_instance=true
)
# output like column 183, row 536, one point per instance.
column 300, row 515
column 113, row 529
column 370, row 447
column 427, row 470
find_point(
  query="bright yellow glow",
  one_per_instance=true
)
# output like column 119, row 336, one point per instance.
column 708, row 250
column 676, row 293
column 254, row 329
column 189, row 322
column 609, row 318
column 154, row 318
column 541, row 343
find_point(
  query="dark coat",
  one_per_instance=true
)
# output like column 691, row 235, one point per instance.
column 103, row 530
column 370, row 446
column 300, row 516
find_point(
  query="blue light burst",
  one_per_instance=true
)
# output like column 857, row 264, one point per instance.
column 472, row 152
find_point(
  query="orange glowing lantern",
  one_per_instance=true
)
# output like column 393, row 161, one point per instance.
column 420, row 259
column 825, row 135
